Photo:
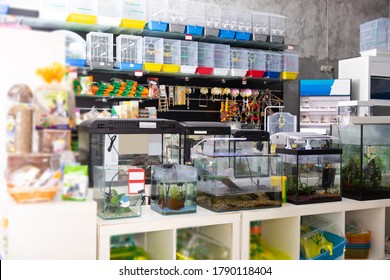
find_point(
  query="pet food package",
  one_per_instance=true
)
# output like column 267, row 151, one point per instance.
column 75, row 182
column 54, row 140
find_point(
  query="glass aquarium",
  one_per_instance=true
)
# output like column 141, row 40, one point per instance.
column 174, row 189
column 238, row 180
column 312, row 175
column 365, row 172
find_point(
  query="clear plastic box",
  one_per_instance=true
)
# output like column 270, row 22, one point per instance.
column 261, row 28
column 277, row 28
column 212, row 19
column 176, row 14
column 290, row 66
column 244, row 25
column 256, row 63
column 174, row 189
column 228, row 23
column 195, row 18
column 375, row 34
column 189, row 56
column 238, row 62
column 100, row 50
column 221, row 59
column 129, row 52
column 157, row 15
column 153, row 54
column 321, row 239
column 112, row 193
column 205, row 58
column 172, row 55
column 273, row 64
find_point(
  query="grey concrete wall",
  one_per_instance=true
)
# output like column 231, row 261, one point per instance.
column 322, row 31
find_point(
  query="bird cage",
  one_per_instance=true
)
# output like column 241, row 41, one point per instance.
column 152, row 54
column 100, row 49
column 129, row 52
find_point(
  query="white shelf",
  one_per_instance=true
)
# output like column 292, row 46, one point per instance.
column 313, row 111
column 315, row 124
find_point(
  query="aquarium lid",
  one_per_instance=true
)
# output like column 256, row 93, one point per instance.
column 205, row 128
column 288, row 138
column 251, row 134
column 371, row 120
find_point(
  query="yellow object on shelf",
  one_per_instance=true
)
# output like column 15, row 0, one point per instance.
column 82, row 18
column 132, row 23
column 32, row 194
column 170, row 68
column 276, row 181
column 153, row 67
column 289, row 75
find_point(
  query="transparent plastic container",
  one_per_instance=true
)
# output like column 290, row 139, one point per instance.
column 261, row 28
column 54, row 9
column 133, row 14
column 256, row 63
column 195, row 18
column 228, row 26
column 205, row 58
column 157, row 15
column 244, row 25
column 100, row 50
column 212, row 19
column 176, row 14
column 290, row 66
column 238, row 62
column 174, row 189
column 221, row 59
column 112, row 193
column 273, row 64
column 153, row 54
column 375, row 34
column 321, row 239
column 129, row 52
column 189, row 56
column 172, row 55
column 277, row 28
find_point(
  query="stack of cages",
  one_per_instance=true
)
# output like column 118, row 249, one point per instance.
column 100, row 50
column 374, row 35
column 153, row 54
column 205, row 58
column 189, row 57
column 133, row 14
column 221, row 59
column 228, row 23
column 171, row 55
column 277, row 28
column 81, row 11
column 241, row 179
column 273, row 65
column 109, row 12
column 176, row 15
column 238, row 62
column 157, row 15
column 244, row 25
column 321, row 239
column 173, row 189
column 114, row 147
column 212, row 19
column 365, row 173
column 312, row 168
column 256, row 63
column 195, row 18
column 261, row 28
column 290, row 66
column 129, row 52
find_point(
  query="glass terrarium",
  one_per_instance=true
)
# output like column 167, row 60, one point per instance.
column 174, row 189
column 115, row 196
column 365, row 173
column 238, row 180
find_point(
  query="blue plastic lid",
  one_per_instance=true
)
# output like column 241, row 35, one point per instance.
column 4, row 9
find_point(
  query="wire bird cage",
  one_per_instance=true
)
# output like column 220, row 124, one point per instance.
column 129, row 52
column 100, row 49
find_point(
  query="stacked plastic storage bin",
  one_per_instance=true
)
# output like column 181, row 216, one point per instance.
column 156, row 15
column 129, row 52
column 133, row 14
column 205, row 58
column 212, row 19
column 172, row 56
column 238, row 62
column 100, row 50
column 260, row 23
column 358, row 241
column 221, row 59
column 228, row 24
column 277, row 28
column 195, row 18
column 153, row 54
column 273, row 65
column 244, row 25
column 375, row 35
column 176, row 15
column 189, row 57
column 290, row 66
column 256, row 63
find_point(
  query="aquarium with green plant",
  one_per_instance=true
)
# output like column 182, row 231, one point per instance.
column 115, row 199
column 312, row 176
column 365, row 172
column 173, row 189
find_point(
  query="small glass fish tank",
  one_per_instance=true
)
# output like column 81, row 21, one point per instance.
column 238, row 180
column 173, row 189
column 365, row 173
column 115, row 197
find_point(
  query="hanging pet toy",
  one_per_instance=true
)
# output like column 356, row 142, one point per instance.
column 203, row 96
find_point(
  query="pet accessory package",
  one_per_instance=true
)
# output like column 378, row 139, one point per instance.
column 75, row 182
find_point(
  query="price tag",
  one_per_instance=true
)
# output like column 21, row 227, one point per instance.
column 138, row 73
column 188, row 37
column 290, row 47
